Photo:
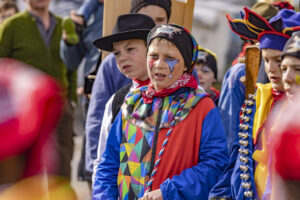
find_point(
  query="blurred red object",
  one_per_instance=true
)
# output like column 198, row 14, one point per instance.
column 30, row 106
column 283, row 5
column 287, row 153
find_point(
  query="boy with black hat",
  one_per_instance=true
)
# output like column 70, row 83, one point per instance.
column 109, row 79
column 128, row 44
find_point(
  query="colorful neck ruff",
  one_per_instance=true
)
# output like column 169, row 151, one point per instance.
column 186, row 80
column 145, row 115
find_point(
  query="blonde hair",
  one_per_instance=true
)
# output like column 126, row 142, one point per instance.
column 208, row 51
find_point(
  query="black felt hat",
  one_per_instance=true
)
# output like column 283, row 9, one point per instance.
column 128, row 26
column 136, row 5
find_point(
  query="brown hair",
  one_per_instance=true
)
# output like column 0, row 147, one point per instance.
column 6, row 5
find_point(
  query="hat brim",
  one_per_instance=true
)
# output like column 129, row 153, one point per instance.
column 106, row 43
column 292, row 54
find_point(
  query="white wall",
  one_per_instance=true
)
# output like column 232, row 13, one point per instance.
column 211, row 30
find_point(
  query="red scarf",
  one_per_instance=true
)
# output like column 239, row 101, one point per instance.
column 278, row 95
column 141, row 83
column 186, row 80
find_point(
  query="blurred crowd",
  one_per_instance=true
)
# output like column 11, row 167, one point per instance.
column 158, row 123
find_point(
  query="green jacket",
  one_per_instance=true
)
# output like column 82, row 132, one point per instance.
column 20, row 39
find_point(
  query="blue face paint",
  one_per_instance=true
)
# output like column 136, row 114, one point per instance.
column 171, row 63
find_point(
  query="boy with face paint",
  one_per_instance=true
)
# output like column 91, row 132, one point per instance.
column 109, row 79
column 247, row 175
column 149, row 154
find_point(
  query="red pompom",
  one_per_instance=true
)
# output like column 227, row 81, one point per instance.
column 287, row 154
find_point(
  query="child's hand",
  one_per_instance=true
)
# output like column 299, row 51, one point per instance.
column 154, row 195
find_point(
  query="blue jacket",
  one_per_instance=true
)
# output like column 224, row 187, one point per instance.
column 88, row 8
column 73, row 55
column 108, row 80
column 192, row 183
column 231, row 99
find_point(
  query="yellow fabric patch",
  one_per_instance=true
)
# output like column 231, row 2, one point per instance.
column 264, row 100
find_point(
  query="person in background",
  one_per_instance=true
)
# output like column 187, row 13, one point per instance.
column 207, row 70
column 7, row 9
column 109, row 79
column 290, row 66
column 285, row 142
column 149, row 154
column 232, row 94
column 83, row 26
column 87, row 26
column 248, row 173
column 285, row 151
column 33, row 37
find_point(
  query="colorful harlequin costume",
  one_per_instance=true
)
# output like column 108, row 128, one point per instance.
column 246, row 176
column 172, row 140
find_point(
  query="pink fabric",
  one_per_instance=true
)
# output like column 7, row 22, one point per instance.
column 30, row 104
